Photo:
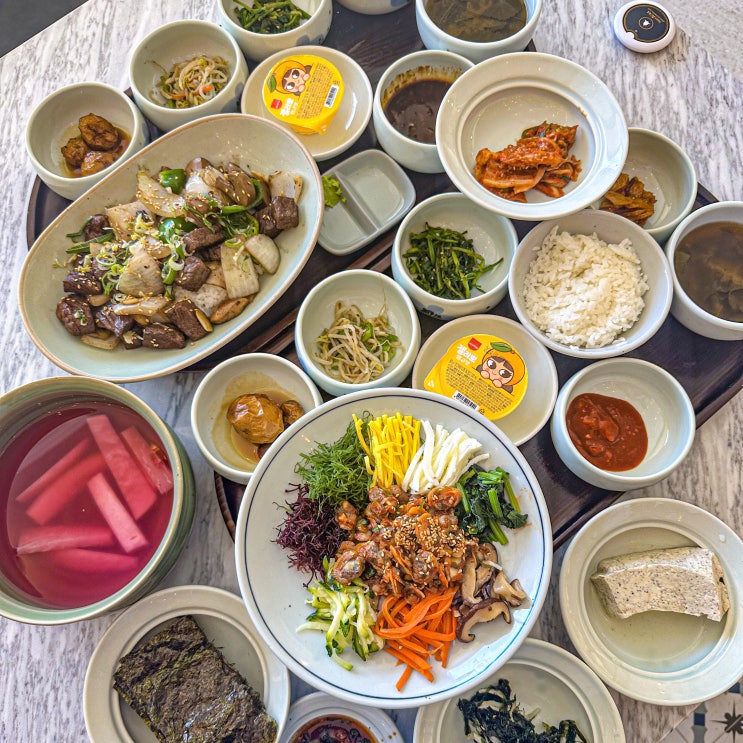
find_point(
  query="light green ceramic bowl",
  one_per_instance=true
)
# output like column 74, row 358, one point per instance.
column 18, row 409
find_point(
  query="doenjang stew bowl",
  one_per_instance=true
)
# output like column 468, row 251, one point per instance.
column 275, row 593
column 254, row 144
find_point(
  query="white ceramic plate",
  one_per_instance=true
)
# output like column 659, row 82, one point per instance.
column 378, row 195
column 223, row 618
column 544, row 677
column 541, row 391
column 252, row 143
column 657, row 657
column 491, row 104
column 275, row 597
column 309, row 707
column 353, row 114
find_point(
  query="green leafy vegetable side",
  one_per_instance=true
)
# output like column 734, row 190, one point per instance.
column 488, row 504
column 332, row 191
column 445, row 263
column 269, row 16
column 493, row 715
column 336, row 472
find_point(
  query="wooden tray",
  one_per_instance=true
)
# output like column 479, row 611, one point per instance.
column 710, row 371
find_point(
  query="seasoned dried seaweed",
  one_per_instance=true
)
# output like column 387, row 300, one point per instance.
column 184, row 690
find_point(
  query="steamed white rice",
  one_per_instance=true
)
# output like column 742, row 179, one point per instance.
column 583, row 292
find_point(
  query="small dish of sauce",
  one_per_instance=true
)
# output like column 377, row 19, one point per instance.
column 412, row 109
column 333, row 729
column 607, row 431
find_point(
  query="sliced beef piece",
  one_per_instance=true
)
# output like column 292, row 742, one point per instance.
column 160, row 335
column 201, row 237
column 285, row 212
column 183, row 315
column 74, row 312
column 212, row 253
column 131, row 339
column 107, row 319
column 194, row 273
column 74, row 152
column 98, row 133
column 82, row 282
column 267, row 222
column 96, row 226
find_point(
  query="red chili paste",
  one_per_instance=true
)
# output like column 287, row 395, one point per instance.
column 607, row 431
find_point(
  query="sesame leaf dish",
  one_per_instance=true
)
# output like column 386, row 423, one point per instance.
column 406, row 605
column 152, row 231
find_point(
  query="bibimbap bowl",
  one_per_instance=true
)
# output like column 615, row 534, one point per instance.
column 275, row 594
column 101, row 523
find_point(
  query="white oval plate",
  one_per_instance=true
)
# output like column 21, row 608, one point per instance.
column 309, row 707
column 225, row 622
column 542, row 676
column 252, row 143
column 352, row 116
column 541, row 391
column 274, row 592
column 656, row 657
column 492, row 103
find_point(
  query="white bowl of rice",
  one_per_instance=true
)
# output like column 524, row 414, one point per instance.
column 591, row 285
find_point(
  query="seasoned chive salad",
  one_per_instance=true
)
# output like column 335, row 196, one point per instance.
column 269, row 16
column 444, row 263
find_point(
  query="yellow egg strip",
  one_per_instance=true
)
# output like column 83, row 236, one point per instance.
column 393, row 441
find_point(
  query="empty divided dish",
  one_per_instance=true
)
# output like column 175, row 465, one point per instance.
column 378, row 194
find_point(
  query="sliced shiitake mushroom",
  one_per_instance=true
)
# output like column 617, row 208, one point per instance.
column 485, row 611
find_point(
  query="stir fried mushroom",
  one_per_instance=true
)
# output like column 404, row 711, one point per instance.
column 485, row 611
column 74, row 152
column 512, row 593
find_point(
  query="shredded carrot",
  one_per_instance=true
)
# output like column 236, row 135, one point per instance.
column 416, row 633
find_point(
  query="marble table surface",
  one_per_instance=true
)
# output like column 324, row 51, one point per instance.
column 681, row 92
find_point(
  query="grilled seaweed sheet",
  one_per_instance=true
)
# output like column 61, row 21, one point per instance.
column 184, row 690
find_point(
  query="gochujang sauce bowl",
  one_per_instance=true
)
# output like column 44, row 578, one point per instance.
column 405, row 79
column 107, row 542
column 663, row 405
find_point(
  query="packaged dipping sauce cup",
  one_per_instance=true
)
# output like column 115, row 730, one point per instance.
column 304, row 91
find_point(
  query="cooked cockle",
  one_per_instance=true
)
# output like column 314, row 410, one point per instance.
column 256, row 418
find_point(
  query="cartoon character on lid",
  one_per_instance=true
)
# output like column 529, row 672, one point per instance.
column 289, row 77
column 502, row 365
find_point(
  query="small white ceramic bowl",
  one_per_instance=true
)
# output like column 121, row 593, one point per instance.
column 259, row 46
column 668, row 173
column 683, row 308
column 422, row 157
column 435, row 37
column 176, row 42
column 536, row 406
column 612, row 229
column 369, row 291
column 489, row 107
column 373, row 7
column 55, row 120
column 223, row 619
column 493, row 236
column 353, row 113
column 249, row 373
column 658, row 397
column 658, row 657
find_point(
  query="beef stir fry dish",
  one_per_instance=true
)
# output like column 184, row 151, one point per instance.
column 187, row 254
